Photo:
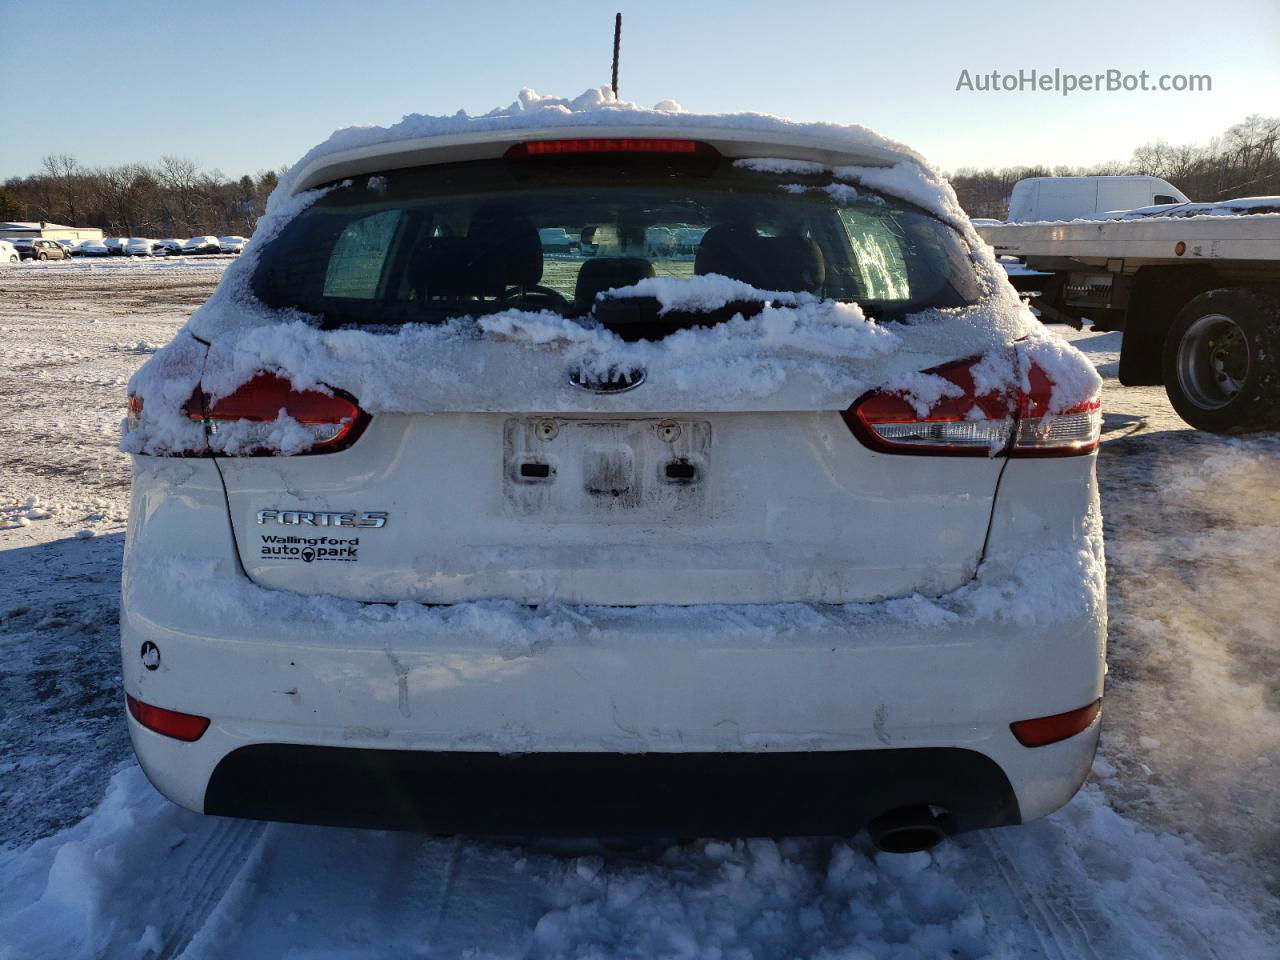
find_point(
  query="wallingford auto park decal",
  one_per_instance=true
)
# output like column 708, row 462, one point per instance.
column 308, row 549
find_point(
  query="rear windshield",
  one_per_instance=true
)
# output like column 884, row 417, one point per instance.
column 429, row 243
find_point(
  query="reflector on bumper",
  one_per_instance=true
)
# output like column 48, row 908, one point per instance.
column 1041, row 731
column 170, row 723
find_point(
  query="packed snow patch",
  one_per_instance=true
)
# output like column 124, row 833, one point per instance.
column 21, row 514
column 1085, row 882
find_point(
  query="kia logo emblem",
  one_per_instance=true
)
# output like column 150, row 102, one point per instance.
column 613, row 380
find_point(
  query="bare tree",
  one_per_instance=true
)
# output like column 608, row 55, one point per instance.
column 180, row 179
column 130, row 197
column 66, row 185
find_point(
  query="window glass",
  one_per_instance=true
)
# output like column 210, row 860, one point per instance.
column 429, row 243
column 355, row 264
column 878, row 255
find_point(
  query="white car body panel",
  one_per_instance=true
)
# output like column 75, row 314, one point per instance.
column 616, row 679
column 806, row 595
column 786, row 507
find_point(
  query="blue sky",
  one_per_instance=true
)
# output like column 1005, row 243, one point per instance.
column 244, row 86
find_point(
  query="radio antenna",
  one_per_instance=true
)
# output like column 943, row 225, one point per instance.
column 617, row 43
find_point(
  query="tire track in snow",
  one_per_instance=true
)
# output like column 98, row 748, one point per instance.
column 1079, row 903
column 450, row 891
column 1054, row 921
column 211, row 868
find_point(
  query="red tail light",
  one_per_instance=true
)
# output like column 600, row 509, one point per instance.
column 334, row 421
column 171, row 723
column 560, row 148
column 134, row 417
column 1043, row 731
column 965, row 423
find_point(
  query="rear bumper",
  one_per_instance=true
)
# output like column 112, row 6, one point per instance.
column 650, row 729
column 608, row 794
column 450, row 710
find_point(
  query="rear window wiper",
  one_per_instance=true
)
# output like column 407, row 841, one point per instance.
column 641, row 318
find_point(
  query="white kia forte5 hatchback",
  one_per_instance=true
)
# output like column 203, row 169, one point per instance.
column 788, row 527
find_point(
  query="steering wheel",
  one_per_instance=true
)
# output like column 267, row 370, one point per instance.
column 536, row 295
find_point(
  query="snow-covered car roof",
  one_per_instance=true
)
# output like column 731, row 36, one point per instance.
column 418, row 139
column 851, row 153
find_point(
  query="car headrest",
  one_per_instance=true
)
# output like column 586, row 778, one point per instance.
column 607, row 273
column 454, row 267
column 788, row 263
column 505, row 232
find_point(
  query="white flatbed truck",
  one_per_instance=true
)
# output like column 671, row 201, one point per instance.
column 1195, row 287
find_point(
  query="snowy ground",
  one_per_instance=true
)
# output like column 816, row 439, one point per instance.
column 1173, row 851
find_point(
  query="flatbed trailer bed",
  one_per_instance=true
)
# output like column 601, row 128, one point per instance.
column 1195, row 288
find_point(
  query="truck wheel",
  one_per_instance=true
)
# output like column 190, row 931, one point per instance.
column 1221, row 361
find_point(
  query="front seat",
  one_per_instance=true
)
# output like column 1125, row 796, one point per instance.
column 789, row 263
column 503, row 233
column 607, row 273
column 454, row 268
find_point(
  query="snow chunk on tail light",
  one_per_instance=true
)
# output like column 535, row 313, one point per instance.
column 1045, row 433
column 266, row 417
column 943, row 412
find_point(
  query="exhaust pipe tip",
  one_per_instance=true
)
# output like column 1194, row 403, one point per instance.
column 906, row 830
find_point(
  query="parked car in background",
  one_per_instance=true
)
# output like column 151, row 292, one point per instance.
column 201, row 245
column 141, row 247
column 232, row 244
column 115, row 245
column 68, row 246
column 172, row 246
column 36, row 248
column 8, row 252
column 94, row 248
column 554, row 239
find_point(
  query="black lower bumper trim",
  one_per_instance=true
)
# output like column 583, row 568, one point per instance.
column 608, row 794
